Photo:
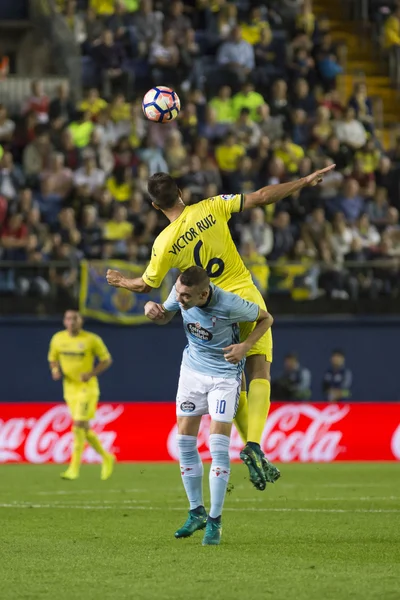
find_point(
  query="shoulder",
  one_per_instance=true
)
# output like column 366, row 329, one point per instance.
column 58, row 336
column 91, row 337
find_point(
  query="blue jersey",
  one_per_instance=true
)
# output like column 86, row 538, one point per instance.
column 211, row 328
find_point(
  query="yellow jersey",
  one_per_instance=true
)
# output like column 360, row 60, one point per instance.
column 200, row 236
column 76, row 355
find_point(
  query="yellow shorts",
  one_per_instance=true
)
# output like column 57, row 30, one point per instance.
column 264, row 345
column 82, row 405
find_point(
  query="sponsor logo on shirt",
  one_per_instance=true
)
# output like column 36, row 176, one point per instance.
column 199, row 332
column 227, row 196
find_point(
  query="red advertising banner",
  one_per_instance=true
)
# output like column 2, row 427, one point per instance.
column 40, row 433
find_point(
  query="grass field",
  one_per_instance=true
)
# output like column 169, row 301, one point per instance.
column 323, row 532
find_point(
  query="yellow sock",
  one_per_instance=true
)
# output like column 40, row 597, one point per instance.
column 241, row 417
column 94, row 441
column 258, row 406
column 79, row 444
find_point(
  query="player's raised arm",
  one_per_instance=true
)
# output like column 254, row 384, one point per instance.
column 137, row 285
column 273, row 193
column 236, row 352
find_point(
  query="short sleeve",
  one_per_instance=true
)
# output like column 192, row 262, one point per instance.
column 100, row 350
column 242, row 310
column 157, row 268
column 228, row 204
column 53, row 354
column 171, row 304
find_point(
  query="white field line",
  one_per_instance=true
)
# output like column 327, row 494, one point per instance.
column 176, row 508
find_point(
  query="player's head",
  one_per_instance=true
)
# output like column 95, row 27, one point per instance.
column 163, row 191
column 192, row 287
column 337, row 359
column 73, row 321
column 291, row 362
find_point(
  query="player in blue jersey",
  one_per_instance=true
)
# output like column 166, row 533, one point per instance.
column 210, row 382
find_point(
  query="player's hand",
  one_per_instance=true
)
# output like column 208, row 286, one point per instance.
column 235, row 353
column 86, row 377
column 316, row 177
column 114, row 278
column 154, row 311
column 56, row 374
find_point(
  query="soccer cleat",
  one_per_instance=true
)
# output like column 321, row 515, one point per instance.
column 254, row 463
column 271, row 472
column 107, row 467
column 70, row 474
column 196, row 520
column 212, row 536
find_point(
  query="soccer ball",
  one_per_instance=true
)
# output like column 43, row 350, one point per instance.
column 161, row 104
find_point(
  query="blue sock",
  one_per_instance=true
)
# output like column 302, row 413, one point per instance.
column 191, row 469
column 219, row 472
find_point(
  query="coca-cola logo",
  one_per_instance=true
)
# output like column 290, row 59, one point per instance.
column 49, row 438
column 395, row 443
column 299, row 432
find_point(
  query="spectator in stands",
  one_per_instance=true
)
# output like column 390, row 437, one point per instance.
column 11, row 177
column 81, row 129
column 350, row 131
column 14, row 238
column 62, row 107
column 120, row 184
column 392, row 31
column 103, row 8
column 322, row 130
column 36, row 156
column 338, row 379
column 164, row 59
column 247, row 176
column 339, row 153
column 272, row 127
column 57, row 180
column 254, row 27
column 192, row 71
column 258, row 232
column 4, row 65
column 148, row 26
column 227, row 155
column 302, row 98
column 365, row 180
column 300, row 130
column 342, row 237
column 378, row 208
column 291, row 154
column 315, row 231
column 66, row 227
column 362, row 106
column 279, row 102
column 64, row 278
column 94, row 27
column 93, row 103
column 332, row 183
column 388, row 177
column 118, row 231
column 294, row 383
column 247, row 98
column 222, row 105
column 38, row 102
column 349, row 202
column 235, row 57
column 177, row 21
column 75, row 22
column 89, row 175
column 283, row 237
column 91, row 233
column 248, row 133
column 367, row 233
column 109, row 58
column 7, row 126
column 329, row 69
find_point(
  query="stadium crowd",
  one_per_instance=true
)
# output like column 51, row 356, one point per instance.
column 260, row 106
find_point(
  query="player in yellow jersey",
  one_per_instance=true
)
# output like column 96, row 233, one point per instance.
column 199, row 235
column 72, row 357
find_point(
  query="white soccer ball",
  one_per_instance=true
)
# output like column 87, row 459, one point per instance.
column 161, row 104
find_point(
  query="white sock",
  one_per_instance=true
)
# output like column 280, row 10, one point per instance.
column 191, row 469
column 219, row 472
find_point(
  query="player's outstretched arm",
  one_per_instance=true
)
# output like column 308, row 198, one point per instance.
column 157, row 313
column 237, row 352
column 273, row 193
column 55, row 370
column 137, row 285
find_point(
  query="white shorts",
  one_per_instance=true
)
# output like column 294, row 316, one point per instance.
column 200, row 394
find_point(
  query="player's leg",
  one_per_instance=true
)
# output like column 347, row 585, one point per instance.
column 88, row 411
column 191, row 404
column 222, row 405
column 79, row 435
column 259, row 374
column 241, row 420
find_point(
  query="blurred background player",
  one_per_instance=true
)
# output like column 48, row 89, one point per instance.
column 209, row 383
column 72, row 356
column 199, row 234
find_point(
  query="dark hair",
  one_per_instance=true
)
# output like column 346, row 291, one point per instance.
column 291, row 355
column 163, row 190
column 338, row 351
column 194, row 276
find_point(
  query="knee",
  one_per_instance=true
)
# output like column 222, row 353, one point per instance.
column 81, row 424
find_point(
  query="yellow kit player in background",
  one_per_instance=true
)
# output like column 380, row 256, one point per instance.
column 72, row 357
column 199, row 235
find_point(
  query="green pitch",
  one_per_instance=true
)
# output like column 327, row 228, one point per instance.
column 323, row 532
